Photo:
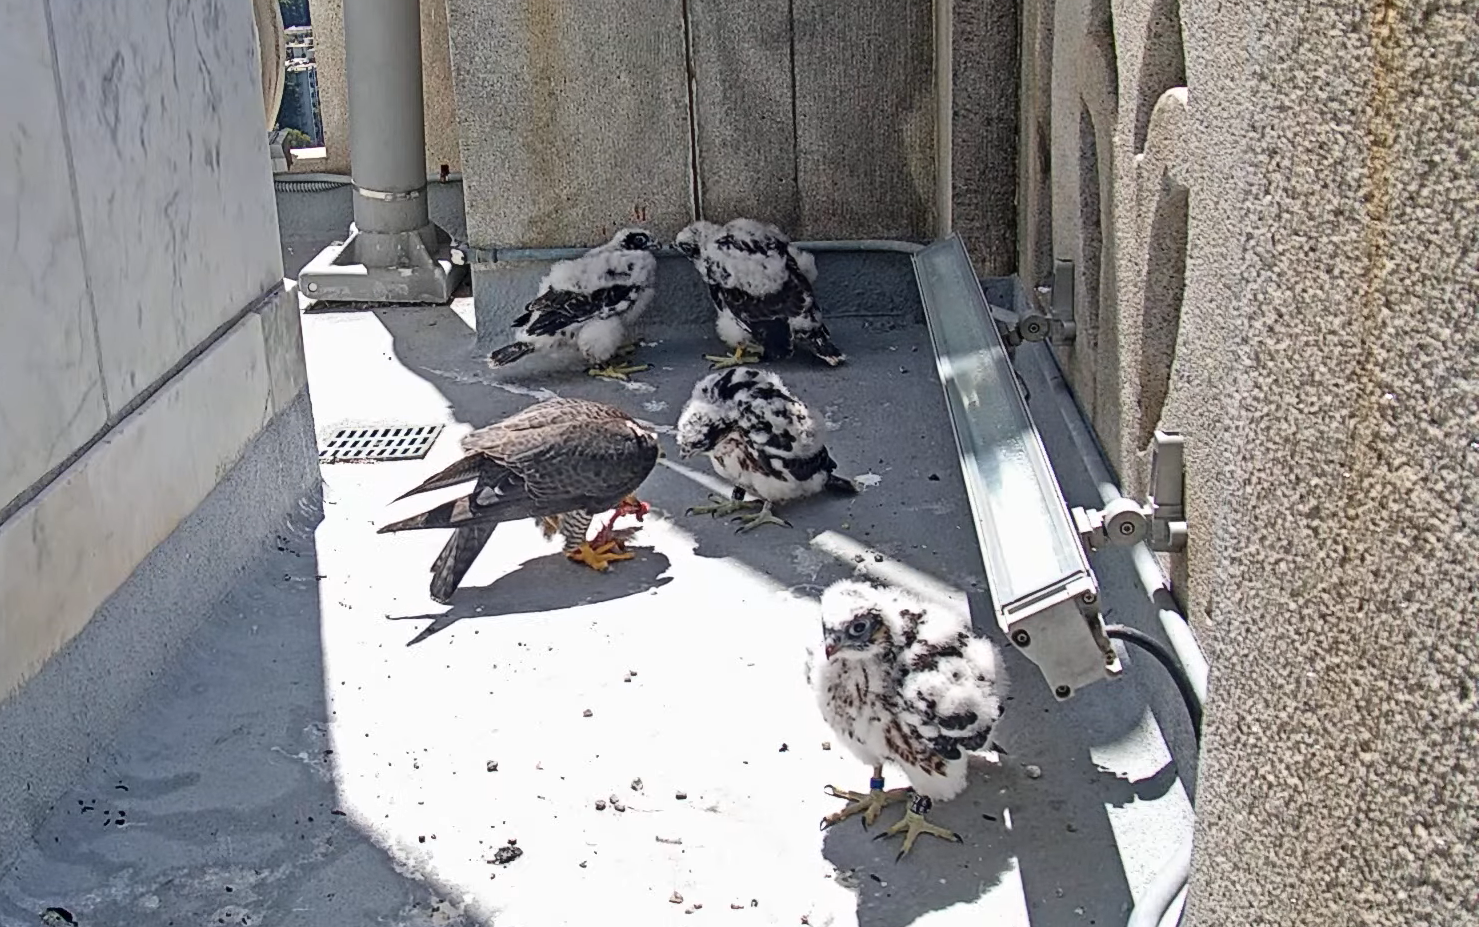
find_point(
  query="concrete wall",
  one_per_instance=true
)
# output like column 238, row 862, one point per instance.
column 820, row 116
column 333, row 91
column 1284, row 265
column 146, row 336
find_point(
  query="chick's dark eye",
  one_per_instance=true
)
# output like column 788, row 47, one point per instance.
column 857, row 629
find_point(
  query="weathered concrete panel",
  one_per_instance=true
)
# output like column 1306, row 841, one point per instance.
column 436, row 86
column 745, row 114
column 984, row 134
column 865, row 118
column 53, row 399
column 69, row 548
column 164, row 110
column 573, row 119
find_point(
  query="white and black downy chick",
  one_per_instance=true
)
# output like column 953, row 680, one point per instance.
column 587, row 303
column 762, row 288
column 904, row 682
column 759, row 437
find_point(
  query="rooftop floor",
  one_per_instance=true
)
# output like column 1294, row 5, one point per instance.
column 321, row 752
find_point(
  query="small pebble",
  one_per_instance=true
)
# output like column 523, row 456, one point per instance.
column 674, row 841
column 1073, row 828
column 688, row 910
column 513, row 841
column 784, row 748
column 587, row 713
column 1033, row 772
column 506, row 855
column 600, row 804
column 878, row 558
column 631, row 672
column 492, row 766
column 676, row 898
column 681, row 795
column 618, row 806
column 421, row 839
column 582, row 864
column 698, row 905
column 826, row 745
column 637, row 784
column 736, row 907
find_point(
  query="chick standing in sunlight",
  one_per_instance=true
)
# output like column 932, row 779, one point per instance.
column 908, row 683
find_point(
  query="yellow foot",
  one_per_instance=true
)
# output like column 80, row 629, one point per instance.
column 914, row 824
column 744, row 354
column 869, row 804
column 617, row 371
column 722, row 507
column 598, row 558
column 763, row 517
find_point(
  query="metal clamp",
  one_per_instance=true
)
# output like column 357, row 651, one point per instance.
column 1160, row 522
column 1050, row 316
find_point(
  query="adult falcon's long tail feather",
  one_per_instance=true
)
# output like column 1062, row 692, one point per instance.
column 456, row 558
column 461, row 471
column 443, row 516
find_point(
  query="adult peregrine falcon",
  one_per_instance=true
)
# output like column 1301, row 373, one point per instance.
column 761, row 285
column 908, row 683
column 561, row 461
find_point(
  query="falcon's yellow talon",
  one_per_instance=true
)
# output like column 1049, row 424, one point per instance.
column 763, row 517
column 599, row 558
column 722, row 507
column 744, row 354
column 870, row 804
column 913, row 824
column 617, row 371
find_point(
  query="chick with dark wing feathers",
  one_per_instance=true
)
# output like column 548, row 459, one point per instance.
column 908, row 683
column 760, row 437
column 561, row 461
column 762, row 288
column 587, row 305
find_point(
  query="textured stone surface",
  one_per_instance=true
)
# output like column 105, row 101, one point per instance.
column 1323, row 371
column 1340, row 784
column 573, row 119
column 436, row 86
column 745, row 110
column 984, row 133
column 865, row 118
column 164, row 110
column 48, row 349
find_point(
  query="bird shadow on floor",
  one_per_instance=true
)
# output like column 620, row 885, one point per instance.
column 1060, row 844
column 546, row 584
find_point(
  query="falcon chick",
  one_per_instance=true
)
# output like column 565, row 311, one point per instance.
column 560, row 461
column 587, row 303
column 908, row 683
column 760, row 437
column 761, row 285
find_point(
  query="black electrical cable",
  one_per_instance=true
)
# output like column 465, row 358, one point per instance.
column 1163, row 656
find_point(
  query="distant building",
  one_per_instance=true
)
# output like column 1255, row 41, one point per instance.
column 300, row 101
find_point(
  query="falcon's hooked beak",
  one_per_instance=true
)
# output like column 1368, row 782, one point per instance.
column 833, row 645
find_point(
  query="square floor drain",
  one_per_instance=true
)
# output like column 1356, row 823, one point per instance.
column 380, row 442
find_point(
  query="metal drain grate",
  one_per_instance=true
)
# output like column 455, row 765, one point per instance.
column 379, row 442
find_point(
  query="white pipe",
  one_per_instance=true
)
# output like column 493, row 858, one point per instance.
column 1161, row 893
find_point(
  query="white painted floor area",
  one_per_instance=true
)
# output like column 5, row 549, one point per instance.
column 321, row 754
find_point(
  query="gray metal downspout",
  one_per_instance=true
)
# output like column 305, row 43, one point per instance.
column 394, row 253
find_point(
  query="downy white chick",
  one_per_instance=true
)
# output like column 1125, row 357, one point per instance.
column 587, row 303
column 908, row 683
column 760, row 437
column 761, row 285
